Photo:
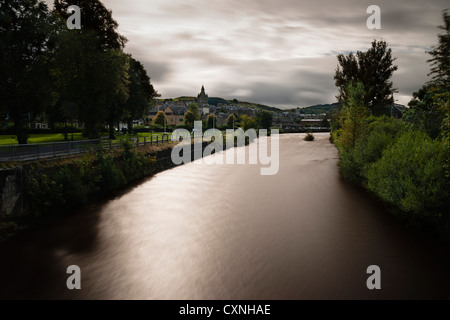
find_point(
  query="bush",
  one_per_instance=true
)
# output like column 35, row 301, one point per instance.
column 380, row 133
column 309, row 137
column 44, row 195
column 410, row 175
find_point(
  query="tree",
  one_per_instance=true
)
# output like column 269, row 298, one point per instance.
column 83, row 79
column 248, row 122
column 211, row 121
column 265, row 119
column 95, row 17
column 374, row 69
column 24, row 46
column 90, row 69
column 115, row 87
column 141, row 92
column 440, row 61
column 160, row 118
column 189, row 119
column 193, row 107
column 427, row 110
column 352, row 116
column 325, row 123
column 231, row 121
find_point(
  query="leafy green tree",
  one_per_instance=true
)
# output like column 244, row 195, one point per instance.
column 426, row 110
column 211, row 121
column 440, row 61
column 96, row 18
column 248, row 122
column 141, row 92
column 25, row 29
column 374, row 69
column 81, row 74
column 265, row 120
column 114, row 87
column 231, row 121
column 189, row 119
column 193, row 107
column 352, row 116
column 160, row 118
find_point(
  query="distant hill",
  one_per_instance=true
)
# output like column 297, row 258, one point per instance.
column 215, row 101
column 320, row 108
column 246, row 104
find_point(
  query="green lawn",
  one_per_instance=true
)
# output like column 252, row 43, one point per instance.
column 6, row 140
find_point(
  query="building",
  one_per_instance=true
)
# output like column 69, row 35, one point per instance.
column 397, row 110
column 202, row 98
column 175, row 114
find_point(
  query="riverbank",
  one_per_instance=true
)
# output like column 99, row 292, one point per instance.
column 34, row 190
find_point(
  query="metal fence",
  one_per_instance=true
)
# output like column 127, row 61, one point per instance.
column 58, row 149
column 45, row 150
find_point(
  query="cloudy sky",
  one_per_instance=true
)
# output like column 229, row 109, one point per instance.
column 276, row 52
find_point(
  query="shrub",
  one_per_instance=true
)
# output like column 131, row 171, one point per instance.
column 309, row 137
column 44, row 195
column 410, row 175
column 380, row 133
column 110, row 177
column 73, row 192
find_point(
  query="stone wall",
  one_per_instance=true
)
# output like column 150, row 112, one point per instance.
column 11, row 191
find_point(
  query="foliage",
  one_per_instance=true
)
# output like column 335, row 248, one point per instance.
column 189, row 119
column 24, row 44
column 160, row 118
column 440, row 61
column 231, row 121
column 427, row 110
column 309, row 137
column 141, row 92
column 248, row 122
column 352, row 116
column 95, row 18
column 380, row 134
column 211, row 121
column 68, row 187
column 374, row 69
column 193, row 107
column 410, row 175
column 265, row 120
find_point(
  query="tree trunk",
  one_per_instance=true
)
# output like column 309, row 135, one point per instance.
column 111, row 130
column 130, row 126
column 22, row 136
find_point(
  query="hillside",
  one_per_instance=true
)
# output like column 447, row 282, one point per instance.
column 320, row 108
column 216, row 100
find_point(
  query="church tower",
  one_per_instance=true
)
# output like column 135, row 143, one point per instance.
column 202, row 98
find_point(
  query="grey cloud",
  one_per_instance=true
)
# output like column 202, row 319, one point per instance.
column 260, row 45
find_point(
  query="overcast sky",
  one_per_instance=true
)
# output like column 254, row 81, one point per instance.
column 276, row 52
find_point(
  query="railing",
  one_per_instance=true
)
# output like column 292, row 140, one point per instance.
column 57, row 149
column 45, row 150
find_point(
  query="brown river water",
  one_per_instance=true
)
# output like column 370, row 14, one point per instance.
column 226, row 232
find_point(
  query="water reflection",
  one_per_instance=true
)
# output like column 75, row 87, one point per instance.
column 226, row 232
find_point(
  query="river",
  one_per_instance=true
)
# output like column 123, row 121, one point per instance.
column 227, row 232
